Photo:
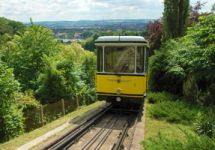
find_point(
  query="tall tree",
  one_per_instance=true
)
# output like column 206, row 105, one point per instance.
column 175, row 18
column 30, row 49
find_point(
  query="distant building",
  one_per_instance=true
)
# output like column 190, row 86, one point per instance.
column 76, row 35
column 69, row 40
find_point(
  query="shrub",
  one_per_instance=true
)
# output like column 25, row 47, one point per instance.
column 208, row 97
column 159, row 79
column 11, row 116
column 27, row 101
column 155, row 97
column 174, row 111
column 191, row 142
column 192, row 58
column 205, row 123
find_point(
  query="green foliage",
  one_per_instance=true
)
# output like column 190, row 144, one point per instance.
column 193, row 57
column 179, row 64
column 7, row 83
column 89, row 44
column 68, row 74
column 13, row 121
column 196, row 49
column 7, row 29
column 29, row 51
column 3, row 43
column 10, row 114
column 208, row 98
column 165, row 107
column 159, row 79
column 85, row 71
column 11, row 27
column 175, row 18
column 155, row 97
column 49, row 70
column 203, row 35
column 191, row 142
column 170, row 20
column 88, row 67
column 191, row 91
column 177, row 52
column 52, row 83
column 205, row 123
column 27, row 101
column 174, row 111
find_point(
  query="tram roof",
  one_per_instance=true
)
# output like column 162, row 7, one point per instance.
column 121, row 39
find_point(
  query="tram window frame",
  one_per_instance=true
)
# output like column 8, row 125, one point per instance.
column 100, row 59
column 146, row 59
column 140, row 64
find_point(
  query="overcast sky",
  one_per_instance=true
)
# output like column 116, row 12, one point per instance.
column 73, row 10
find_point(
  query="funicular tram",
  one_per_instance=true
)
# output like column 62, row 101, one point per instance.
column 122, row 64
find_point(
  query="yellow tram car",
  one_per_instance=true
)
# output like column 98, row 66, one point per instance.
column 122, row 64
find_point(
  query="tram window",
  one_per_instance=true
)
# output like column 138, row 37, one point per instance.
column 99, row 59
column 140, row 60
column 119, row 59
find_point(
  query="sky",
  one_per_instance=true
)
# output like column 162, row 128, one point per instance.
column 73, row 10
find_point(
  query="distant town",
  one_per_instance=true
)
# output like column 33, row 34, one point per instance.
column 68, row 31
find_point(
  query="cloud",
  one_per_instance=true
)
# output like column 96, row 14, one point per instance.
column 51, row 10
column 206, row 7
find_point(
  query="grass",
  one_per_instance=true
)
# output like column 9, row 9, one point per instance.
column 171, row 123
column 171, row 131
column 27, row 137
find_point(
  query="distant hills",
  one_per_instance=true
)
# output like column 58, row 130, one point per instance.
column 84, row 23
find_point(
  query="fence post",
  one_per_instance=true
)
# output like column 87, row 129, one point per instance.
column 63, row 107
column 41, row 115
column 77, row 101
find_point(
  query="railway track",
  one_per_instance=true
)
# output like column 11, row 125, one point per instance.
column 111, row 128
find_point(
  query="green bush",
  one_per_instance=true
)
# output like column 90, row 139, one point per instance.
column 208, row 97
column 154, row 97
column 27, row 101
column 159, row 79
column 205, row 123
column 174, row 111
column 10, row 115
column 191, row 143
column 192, row 58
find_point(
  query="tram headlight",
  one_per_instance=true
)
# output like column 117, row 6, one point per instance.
column 118, row 91
column 118, row 99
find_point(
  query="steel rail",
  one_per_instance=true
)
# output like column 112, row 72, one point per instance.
column 108, row 133
column 121, row 139
column 123, row 134
column 71, row 137
column 72, row 130
column 132, row 134
column 98, row 133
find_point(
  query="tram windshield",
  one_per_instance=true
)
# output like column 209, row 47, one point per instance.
column 124, row 59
